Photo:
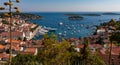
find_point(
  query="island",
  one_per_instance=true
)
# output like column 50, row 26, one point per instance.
column 91, row 14
column 74, row 16
column 110, row 13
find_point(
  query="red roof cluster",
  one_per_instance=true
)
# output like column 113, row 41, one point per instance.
column 7, row 34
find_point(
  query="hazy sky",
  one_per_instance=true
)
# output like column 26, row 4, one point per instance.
column 68, row 5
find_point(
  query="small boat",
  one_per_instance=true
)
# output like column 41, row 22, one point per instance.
column 81, row 25
column 87, row 27
column 64, row 35
column 50, row 29
column 41, row 33
column 65, row 32
column 78, row 30
column 59, row 34
column 68, row 28
column 66, row 25
column 100, row 20
column 74, row 28
column 73, row 25
column 72, row 33
column 43, row 30
column 60, row 23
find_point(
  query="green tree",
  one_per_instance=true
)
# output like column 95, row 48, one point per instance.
column 115, row 37
column 96, row 60
column 4, row 22
column 100, row 41
column 26, row 59
column 89, row 58
column 56, row 53
column 111, row 22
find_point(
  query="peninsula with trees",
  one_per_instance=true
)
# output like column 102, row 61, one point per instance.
column 25, row 16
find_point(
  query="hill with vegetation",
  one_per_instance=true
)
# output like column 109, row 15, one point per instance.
column 25, row 16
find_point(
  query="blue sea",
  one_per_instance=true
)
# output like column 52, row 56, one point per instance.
column 72, row 28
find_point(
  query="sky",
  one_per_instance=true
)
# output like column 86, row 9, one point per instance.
column 68, row 5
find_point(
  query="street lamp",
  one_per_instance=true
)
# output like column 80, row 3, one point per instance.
column 10, row 4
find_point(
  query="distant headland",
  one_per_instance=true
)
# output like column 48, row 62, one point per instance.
column 110, row 13
column 25, row 16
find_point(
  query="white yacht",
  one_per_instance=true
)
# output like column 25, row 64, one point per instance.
column 60, row 23
column 49, row 28
column 42, row 31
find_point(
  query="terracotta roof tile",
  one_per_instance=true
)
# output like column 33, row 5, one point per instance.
column 116, row 51
column 2, row 55
column 7, row 34
column 30, row 50
column 72, row 39
column 14, row 41
column 113, row 45
column 95, row 45
column 79, row 46
column 1, row 46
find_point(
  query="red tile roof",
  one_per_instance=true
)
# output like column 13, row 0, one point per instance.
column 16, row 34
column 2, row 55
column 95, row 45
column 114, row 55
column 30, row 50
column 1, row 46
column 116, row 50
column 113, row 45
column 79, row 46
column 72, row 39
column 14, row 41
column 90, row 45
column 14, row 46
